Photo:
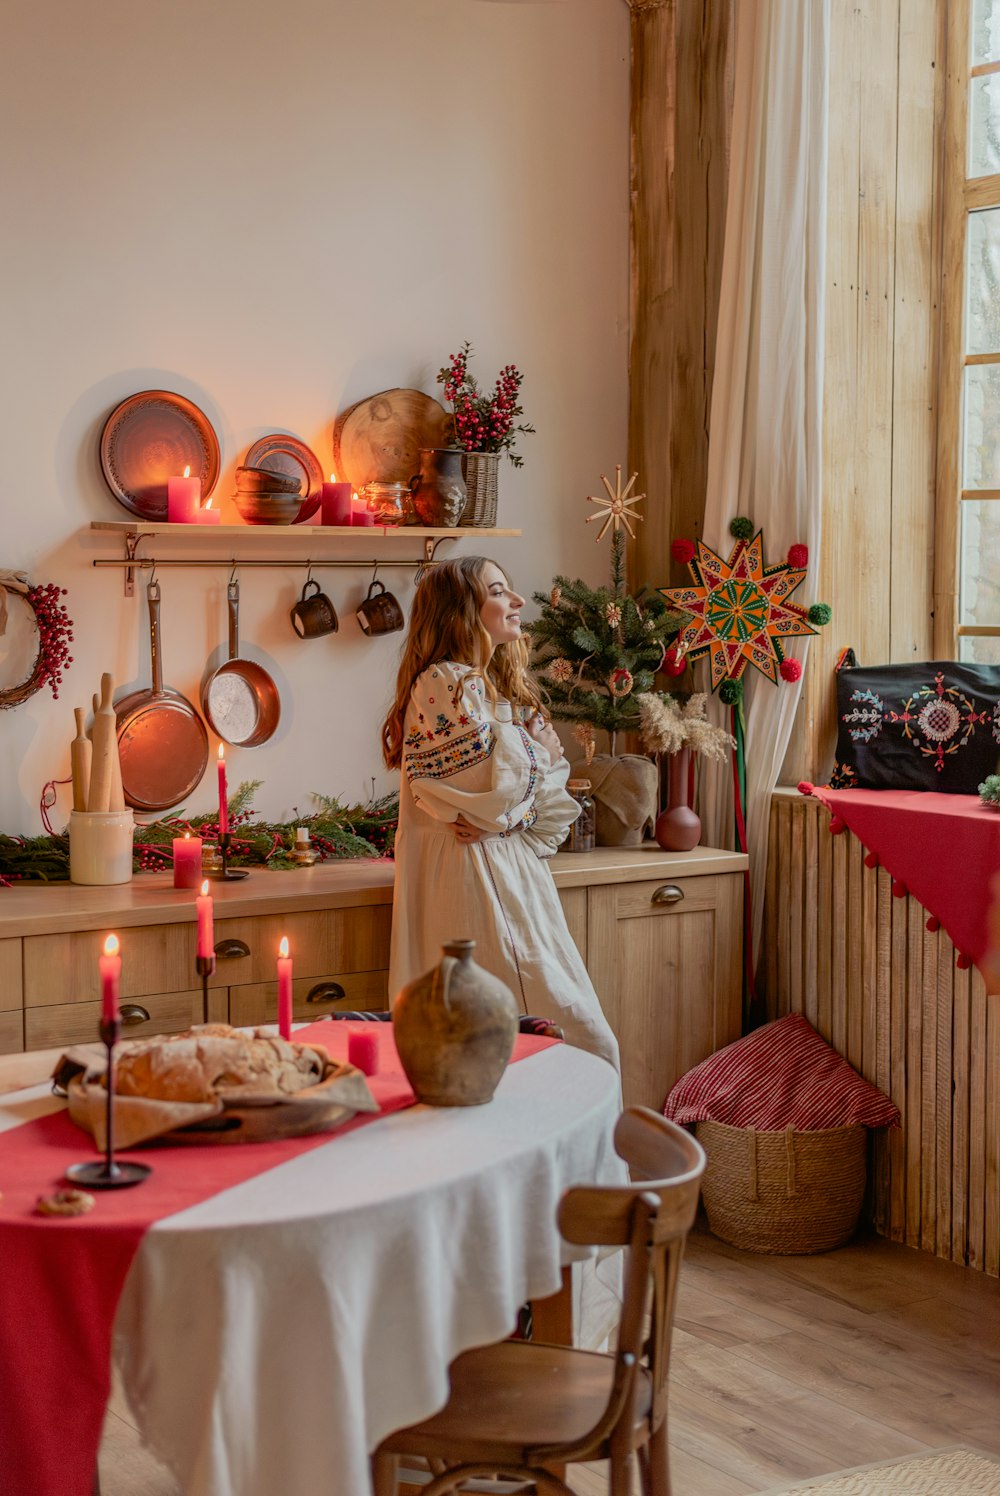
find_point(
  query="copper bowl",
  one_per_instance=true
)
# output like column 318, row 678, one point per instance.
column 269, row 508
column 266, row 481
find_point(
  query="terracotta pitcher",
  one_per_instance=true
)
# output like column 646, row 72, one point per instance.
column 678, row 828
column 455, row 1028
column 439, row 492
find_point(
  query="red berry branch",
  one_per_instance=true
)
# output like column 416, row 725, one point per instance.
column 55, row 634
column 481, row 422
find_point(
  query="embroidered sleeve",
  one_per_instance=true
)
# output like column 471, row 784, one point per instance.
column 555, row 808
column 457, row 761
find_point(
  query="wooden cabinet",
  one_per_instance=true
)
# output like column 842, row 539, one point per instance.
column 665, row 957
column 659, row 932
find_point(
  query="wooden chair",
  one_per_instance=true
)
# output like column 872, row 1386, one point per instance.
column 525, row 1410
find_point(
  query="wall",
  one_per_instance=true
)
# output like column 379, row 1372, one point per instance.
column 275, row 211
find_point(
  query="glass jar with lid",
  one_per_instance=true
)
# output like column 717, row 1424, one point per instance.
column 581, row 833
column 390, row 503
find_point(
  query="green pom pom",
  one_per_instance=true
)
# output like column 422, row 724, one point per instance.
column 819, row 614
column 730, row 692
column 741, row 528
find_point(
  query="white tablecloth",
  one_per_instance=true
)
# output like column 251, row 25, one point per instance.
column 271, row 1336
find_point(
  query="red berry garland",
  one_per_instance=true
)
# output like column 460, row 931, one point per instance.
column 55, row 634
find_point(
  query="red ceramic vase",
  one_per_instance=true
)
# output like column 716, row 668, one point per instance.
column 678, row 828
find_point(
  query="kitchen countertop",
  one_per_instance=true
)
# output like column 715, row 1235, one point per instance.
column 54, row 908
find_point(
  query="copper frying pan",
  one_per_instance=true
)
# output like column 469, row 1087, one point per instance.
column 161, row 738
column 240, row 700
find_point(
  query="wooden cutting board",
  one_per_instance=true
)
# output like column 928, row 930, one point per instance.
column 379, row 439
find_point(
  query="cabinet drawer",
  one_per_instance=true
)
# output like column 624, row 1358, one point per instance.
column 76, row 1023
column 666, row 896
column 10, row 975
column 11, row 1032
column 62, row 969
column 256, row 1003
column 328, row 940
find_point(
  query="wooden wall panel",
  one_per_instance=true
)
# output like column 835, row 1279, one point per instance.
column 888, row 995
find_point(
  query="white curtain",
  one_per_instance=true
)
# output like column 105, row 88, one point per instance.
column 765, row 437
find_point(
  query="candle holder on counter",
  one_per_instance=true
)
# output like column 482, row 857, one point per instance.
column 303, row 852
column 205, row 966
column 109, row 1174
column 223, row 873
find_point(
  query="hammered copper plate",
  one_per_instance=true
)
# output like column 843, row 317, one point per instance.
column 151, row 437
column 286, row 454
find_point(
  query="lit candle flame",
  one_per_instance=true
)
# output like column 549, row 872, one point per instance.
column 204, row 889
column 283, row 947
column 187, row 836
column 208, row 503
column 333, row 477
column 187, row 471
column 222, row 753
column 111, row 945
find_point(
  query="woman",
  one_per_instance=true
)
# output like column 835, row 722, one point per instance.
column 482, row 803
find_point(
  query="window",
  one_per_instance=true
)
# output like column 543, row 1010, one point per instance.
column 969, row 434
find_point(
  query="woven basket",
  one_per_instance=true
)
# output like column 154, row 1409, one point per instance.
column 784, row 1192
column 480, row 470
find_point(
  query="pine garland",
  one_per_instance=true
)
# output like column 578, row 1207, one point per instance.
column 336, row 831
column 598, row 648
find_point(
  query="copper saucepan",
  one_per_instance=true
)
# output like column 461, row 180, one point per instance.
column 161, row 738
column 240, row 699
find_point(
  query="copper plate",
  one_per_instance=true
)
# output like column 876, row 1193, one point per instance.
column 286, row 454
column 151, row 437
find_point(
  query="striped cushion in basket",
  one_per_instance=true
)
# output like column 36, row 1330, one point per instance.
column 781, row 1075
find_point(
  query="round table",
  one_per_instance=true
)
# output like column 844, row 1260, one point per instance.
column 271, row 1336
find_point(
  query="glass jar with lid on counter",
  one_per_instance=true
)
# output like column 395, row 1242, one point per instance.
column 581, row 833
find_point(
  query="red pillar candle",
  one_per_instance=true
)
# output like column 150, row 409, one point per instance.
column 284, row 990
column 336, row 502
column 183, row 498
column 362, row 1051
column 204, row 514
column 110, row 966
column 187, row 861
column 223, row 798
column 206, row 923
column 360, row 513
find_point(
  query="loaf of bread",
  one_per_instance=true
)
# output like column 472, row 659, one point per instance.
column 213, row 1060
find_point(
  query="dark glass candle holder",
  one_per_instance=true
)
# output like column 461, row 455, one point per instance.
column 109, row 1174
column 226, row 874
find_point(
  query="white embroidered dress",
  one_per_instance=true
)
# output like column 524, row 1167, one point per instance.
column 463, row 755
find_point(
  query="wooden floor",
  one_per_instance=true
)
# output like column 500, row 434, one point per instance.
column 783, row 1368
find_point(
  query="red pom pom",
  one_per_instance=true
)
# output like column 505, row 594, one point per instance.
column 964, row 962
column 898, row 889
column 837, row 825
column 933, row 924
column 805, row 787
column 674, row 662
column 791, row 669
column 798, row 556
column 871, row 860
column 683, row 551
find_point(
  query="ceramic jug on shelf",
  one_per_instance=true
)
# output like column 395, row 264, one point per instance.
column 439, row 492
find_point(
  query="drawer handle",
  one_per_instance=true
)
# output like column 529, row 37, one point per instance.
column 132, row 1013
column 232, row 950
column 668, row 893
column 325, row 992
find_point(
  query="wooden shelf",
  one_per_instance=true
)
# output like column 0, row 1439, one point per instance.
column 311, row 532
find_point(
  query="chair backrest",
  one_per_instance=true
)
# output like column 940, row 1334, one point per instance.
column 651, row 1218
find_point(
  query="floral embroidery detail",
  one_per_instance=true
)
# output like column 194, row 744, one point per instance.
column 414, row 738
column 443, row 725
column 865, row 721
column 533, row 760
column 531, row 816
column 844, row 776
column 452, row 757
column 463, row 720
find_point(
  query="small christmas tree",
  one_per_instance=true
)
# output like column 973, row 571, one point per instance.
column 598, row 648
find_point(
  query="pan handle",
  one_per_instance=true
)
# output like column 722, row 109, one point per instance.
column 153, row 601
column 233, row 596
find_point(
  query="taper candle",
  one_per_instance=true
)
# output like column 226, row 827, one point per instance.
column 284, row 989
column 110, row 966
column 223, row 799
column 187, row 861
column 206, row 923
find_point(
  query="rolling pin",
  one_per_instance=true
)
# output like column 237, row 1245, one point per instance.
column 105, row 748
column 117, row 793
column 79, row 758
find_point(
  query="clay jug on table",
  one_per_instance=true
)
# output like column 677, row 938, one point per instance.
column 678, row 827
column 439, row 492
column 455, row 1028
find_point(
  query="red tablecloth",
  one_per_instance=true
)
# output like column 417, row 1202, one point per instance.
column 60, row 1279
column 942, row 849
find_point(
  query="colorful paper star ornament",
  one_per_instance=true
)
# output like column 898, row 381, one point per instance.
column 739, row 613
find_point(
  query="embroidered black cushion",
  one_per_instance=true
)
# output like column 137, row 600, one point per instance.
column 931, row 726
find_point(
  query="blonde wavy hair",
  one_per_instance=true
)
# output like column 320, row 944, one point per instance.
column 445, row 625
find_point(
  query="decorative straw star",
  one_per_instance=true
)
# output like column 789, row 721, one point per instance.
column 619, row 507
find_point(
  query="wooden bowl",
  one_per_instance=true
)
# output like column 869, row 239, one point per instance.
column 266, row 480
column 269, row 508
